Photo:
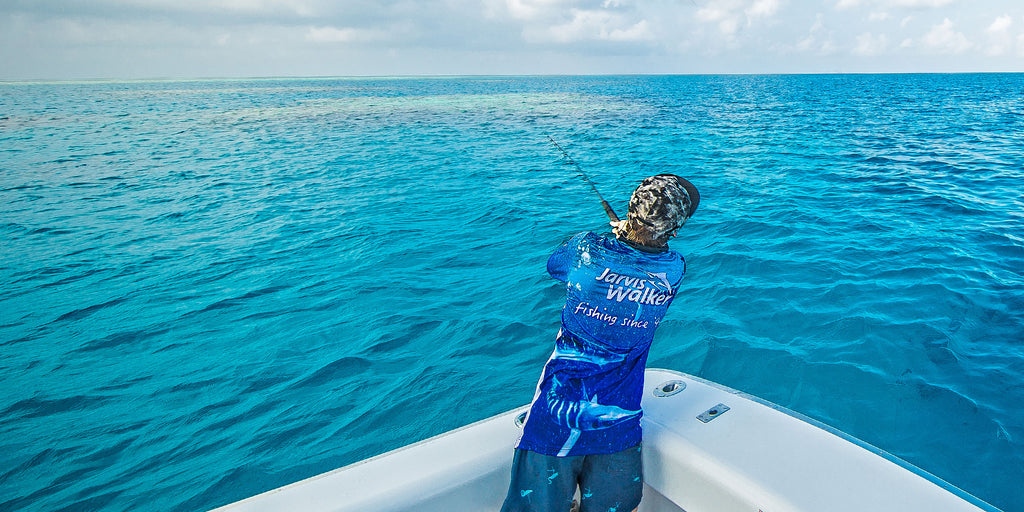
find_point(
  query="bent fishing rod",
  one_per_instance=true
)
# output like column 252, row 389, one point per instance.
column 607, row 207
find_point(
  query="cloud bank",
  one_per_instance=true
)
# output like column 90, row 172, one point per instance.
column 200, row 38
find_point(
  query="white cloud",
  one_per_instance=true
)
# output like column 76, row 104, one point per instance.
column 553, row 21
column 715, row 12
column 637, row 32
column 303, row 8
column 869, row 45
column 818, row 40
column 878, row 16
column 1001, row 24
column 530, row 9
column 762, row 9
column 944, row 39
column 729, row 15
column 723, row 13
column 591, row 25
column 889, row 4
column 729, row 26
column 916, row 3
column 297, row 6
column 342, row 35
column 1000, row 40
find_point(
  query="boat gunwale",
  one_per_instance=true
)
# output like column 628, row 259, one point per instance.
column 952, row 489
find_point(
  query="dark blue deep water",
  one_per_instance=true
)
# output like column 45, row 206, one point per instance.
column 209, row 289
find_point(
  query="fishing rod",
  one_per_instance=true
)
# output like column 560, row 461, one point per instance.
column 607, row 207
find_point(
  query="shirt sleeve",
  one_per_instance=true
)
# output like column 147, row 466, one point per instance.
column 563, row 258
column 681, row 270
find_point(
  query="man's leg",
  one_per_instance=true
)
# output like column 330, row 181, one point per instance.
column 541, row 483
column 612, row 482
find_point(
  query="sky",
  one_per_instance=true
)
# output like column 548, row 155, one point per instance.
column 139, row 39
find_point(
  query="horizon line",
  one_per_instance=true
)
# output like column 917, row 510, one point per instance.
column 42, row 81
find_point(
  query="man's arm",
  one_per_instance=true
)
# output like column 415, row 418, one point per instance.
column 564, row 256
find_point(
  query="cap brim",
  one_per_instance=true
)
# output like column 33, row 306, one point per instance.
column 693, row 193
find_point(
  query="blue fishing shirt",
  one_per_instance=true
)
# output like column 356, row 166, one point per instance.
column 588, row 398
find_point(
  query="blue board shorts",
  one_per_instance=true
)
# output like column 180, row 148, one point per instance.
column 543, row 483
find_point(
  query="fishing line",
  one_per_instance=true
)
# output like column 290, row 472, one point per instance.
column 607, row 207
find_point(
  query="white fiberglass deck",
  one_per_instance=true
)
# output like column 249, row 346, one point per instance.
column 745, row 455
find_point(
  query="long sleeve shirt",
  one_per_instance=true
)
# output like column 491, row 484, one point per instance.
column 588, row 397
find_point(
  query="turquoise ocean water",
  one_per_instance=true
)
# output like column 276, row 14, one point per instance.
column 209, row 289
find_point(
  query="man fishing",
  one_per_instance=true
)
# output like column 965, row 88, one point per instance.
column 583, row 426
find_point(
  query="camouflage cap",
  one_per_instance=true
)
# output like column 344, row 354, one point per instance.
column 663, row 203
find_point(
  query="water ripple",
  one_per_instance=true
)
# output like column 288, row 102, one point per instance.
column 215, row 288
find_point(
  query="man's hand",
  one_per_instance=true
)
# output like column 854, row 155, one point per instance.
column 618, row 227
